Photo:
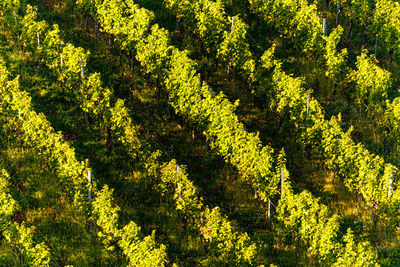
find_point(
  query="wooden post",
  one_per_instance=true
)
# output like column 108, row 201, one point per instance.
column 364, row 36
column 96, row 30
column 269, row 210
column 308, row 104
column 373, row 212
column 337, row 12
column 19, row 114
column 86, row 117
column 82, row 70
column 282, row 176
column 85, row 22
column 132, row 61
column 120, row 57
column 390, row 185
column 233, row 23
column 179, row 191
column 83, row 75
column 90, row 186
column 15, row 17
column 350, row 29
column 38, row 38
column 324, row 26
column 178, row 171
column 19, row 257
column 109, row 41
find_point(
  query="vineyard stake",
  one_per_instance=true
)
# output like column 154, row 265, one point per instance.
column 90, row 184
column 82, row 70
column 96, row 30
column 390, row 185
column 282, row 176
column 15, row 17
column 337, row 12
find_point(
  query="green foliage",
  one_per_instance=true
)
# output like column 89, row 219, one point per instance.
column 30, row 29
column 53, row 47
column 86, row 6
column 225, row 241
column 210, row 21
column 318, row 230
column 296, row 18
column 71, row 70
column 195, row 102
column 37, row 133
column 7, row 204
column 359, row 10
column 106, row 214
column 335, row 61
column 122, row 126
column 207, row 19
column 185, row 193
column 386, row 25
column 391, row 120
column 234, row 49
column 19, row 235
column 289, row 97
column 372, row 82
column 356, row 254
column 154, row 51
column 267, row 60
column 139, row 251
column 216, row 113
column 222, row 36
column 362, row 171
column 93, row 98
column 119, row 17
column 310, row 223
column 8, row 12
column 231, row 247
